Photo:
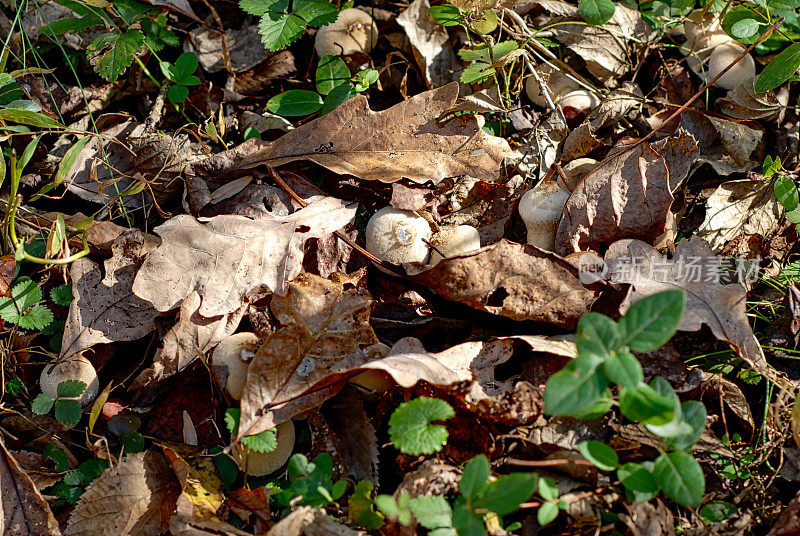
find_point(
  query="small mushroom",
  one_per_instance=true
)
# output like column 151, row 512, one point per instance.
column 565, row 91
column 452, row 240
column 575, row 170
column 76, row 368
column 703, row 48
column 230, row 361
column 263, row 463
column 353, row 31
column 724, row 55
column 541, row 209
column 398, row 236
column 699, row 25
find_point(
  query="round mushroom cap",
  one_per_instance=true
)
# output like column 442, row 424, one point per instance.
column 75, row 368
column 541, row 209
column 398, row 236
column 230, row 361
column 580, row 99
column 558, row 82
column 353, row 31
column 698, row 25
column 452, row 240
column 724, row 55
column 263, row 463
column 703, row 48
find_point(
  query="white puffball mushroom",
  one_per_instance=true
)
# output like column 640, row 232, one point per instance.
column 699, row 25
column 703, row 48
column 233, row 356
column 76, row 368
column 452, row 240
column 541, row 209
column 398, row 236
column 354, row 31
column 724, row 55
column 263, row 463
column 565, row 91
column 580, row 99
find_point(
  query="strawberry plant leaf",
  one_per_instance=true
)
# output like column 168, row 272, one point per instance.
column 68, row 411
column 114, row 52
column 42, row 404
column 70, row 388
column 37, row 318
column 62, row 294
column 410, row 427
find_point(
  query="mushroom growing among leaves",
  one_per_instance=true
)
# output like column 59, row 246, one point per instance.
column 398, row 236
column 230, row 361
column 353, row 31
column 565, row 91
column 541, row 209
column 724, row 55
column 263, row 463
column 77, row 369
column 454, row 240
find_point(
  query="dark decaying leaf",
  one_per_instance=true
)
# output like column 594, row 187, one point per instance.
column 353, row 436
column 23, row 510
column 517, row 281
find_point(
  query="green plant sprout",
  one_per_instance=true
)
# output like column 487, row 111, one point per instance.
column 310, row 482
column 281, row 25
column 334, row 86
column 581, row 389
column 67, row 405
column 266, row 441
column 22, row 307
column 411, row 429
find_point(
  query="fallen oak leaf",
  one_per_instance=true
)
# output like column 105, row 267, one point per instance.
column 326, row 335
column 517, row 281
column 104, row 308
column 23, row 510
column 136, row 497
column 627, row 195
column 228, row 256
column 404, row 141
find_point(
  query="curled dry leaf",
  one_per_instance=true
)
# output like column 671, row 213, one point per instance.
column 743, row 102
column 517, row 281
column 228, row 256
column 405, row 141
column 104, row 308
column 747, row 206
column 728, row 146
column 680, row 152
column 627, row 195
column 326, row 334
column 23, row 510
column 694, row 268
column 430, row 44
column 592, row 133
column 134, row 498
column 190, row 337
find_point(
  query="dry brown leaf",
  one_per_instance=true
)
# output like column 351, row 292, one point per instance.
column 192, row 336
column 307, row 521
column 743, row 102
column 326, row 334
column 353, row 436
column 134, row 498
column 612, row 49
column 23, row 510
column 430, row 44
column 201, row 496
column 228, row 256
column 104, row 308
column 244, row 48
column 728, row 146
column 625, row 196
column 645, row 519
column 404, row 141
column 517, row 281
column 593, row 132
column 747, row 206
column 694, row 268
column 680, row 152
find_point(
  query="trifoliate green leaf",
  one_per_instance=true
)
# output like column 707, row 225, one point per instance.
column 62, row 294
column 410, row 425
column 433, row 512
column 25, row 293
column 37, row 318
column 42, row 404
column 279, row 30
column 68, row 411
column 112, row 53
column 71, row 388
column 315, row 12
